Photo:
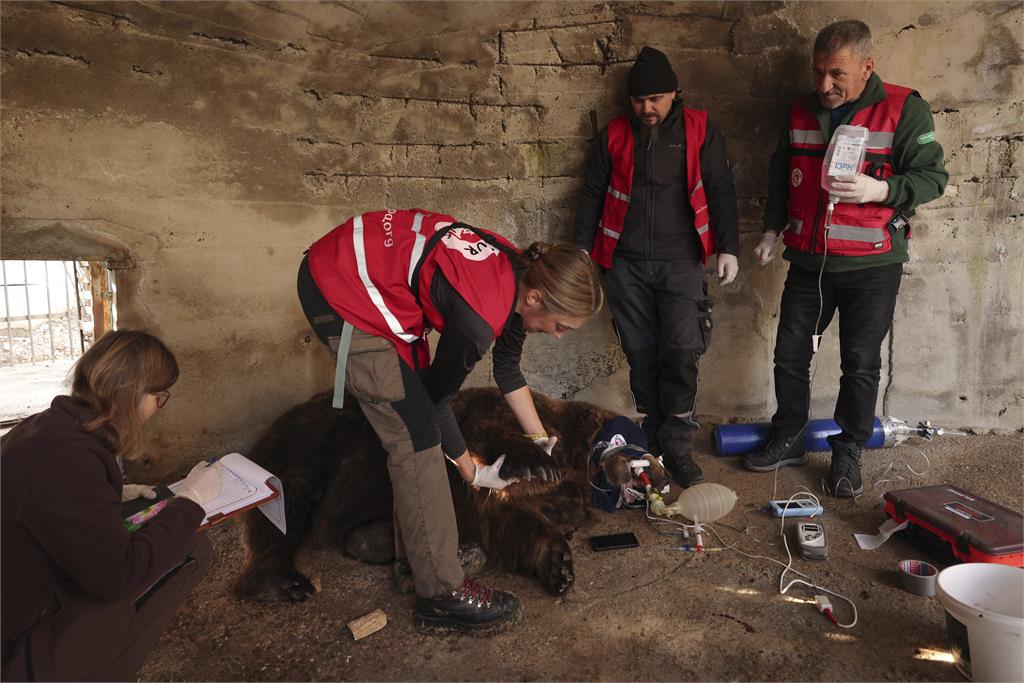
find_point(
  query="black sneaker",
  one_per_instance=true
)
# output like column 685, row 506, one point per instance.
column 470, row 608
column 683, row 469
column 778, row 452
column 844, row 475
column 471, row 557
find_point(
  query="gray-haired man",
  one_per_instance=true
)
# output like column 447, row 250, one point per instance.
column 847, row 247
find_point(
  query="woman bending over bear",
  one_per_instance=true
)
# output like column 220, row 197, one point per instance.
column 372, row 288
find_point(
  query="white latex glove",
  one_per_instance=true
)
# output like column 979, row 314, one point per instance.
column 859, row 189
column 487, row 476
column 202, row 484
column 133, row 491
column 763, row 250
column 546, row 442
column 728, row 268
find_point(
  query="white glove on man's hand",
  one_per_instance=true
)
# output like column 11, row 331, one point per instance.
column 202, row 484
column 859, row 189
column 728, row 268
column 764, row 248
column 487, row 476
column 133, row 491
column 545, row 442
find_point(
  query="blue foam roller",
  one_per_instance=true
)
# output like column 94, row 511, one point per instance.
column 740, row 439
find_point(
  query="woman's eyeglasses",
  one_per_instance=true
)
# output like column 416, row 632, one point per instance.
column 162, row 398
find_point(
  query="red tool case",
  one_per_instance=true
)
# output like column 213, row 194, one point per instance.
column 959, row 525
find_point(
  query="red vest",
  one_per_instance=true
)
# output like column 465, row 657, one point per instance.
column 375, row 271
column 620, row 185
column 856, row 229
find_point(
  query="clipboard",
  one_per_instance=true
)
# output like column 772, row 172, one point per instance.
column 244, row 486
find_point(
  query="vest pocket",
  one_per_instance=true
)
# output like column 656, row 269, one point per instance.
column 374, row 371
column 860, row 232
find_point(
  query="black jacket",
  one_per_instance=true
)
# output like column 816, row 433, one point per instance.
column 659, row 221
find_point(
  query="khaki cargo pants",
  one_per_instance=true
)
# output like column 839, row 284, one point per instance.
column 398, row 407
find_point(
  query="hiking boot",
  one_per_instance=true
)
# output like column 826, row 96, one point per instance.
column 470, row 608
column 844, row 475
column 683, row 469
column 471, row 557
column 778, row 452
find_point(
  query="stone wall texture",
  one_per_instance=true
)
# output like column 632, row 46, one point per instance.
column 208, row 144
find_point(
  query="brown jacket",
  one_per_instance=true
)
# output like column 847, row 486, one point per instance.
column 61, row 526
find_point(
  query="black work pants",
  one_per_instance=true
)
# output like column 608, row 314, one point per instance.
column 663, row 320
column 865, row 300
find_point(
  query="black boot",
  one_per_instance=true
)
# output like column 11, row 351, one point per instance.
column 470, row 608
column 778, row 452
column 677, row 455
column 844, row 475
column 471, row 557
column 683, row 469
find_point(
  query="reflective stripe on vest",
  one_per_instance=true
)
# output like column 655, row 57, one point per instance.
column 362, row 269
column 855, row 233
column 417, row 248
column 609, row 232
column 857, row 229
column 806, row 137
column 618, row 195
column 880, row 140
column 371, row 289
column 620, row 185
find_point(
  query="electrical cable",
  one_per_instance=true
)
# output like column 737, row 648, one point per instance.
column 810, row 583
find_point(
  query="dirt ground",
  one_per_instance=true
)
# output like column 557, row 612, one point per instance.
column 650, row 613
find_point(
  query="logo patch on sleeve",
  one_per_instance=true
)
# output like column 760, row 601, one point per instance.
column 925, row 138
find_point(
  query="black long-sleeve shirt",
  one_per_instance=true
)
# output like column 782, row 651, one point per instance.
column 464, row 341
column 659, row 222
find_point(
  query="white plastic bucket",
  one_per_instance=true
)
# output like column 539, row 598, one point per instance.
column 985, row 617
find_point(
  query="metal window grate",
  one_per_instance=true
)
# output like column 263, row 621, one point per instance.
column 45, row 314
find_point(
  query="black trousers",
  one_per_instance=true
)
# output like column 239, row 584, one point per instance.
column 663, row 320
column 865, row 300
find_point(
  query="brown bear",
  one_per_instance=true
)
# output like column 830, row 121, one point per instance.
column 334, row 472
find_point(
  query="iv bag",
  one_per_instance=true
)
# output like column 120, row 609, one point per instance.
column 845, row 154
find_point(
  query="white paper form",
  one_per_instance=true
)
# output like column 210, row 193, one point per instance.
column 243, row 483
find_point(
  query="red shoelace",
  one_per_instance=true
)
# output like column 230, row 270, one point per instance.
column 475, row 591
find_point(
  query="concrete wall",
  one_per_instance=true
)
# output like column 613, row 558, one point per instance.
column 208, row 144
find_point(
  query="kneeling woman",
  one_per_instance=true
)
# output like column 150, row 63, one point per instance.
column 381, row 281
column 84, row 599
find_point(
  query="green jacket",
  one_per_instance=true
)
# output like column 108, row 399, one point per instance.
column 920, row 175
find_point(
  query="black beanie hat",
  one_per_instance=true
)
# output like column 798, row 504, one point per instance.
column 651, row 73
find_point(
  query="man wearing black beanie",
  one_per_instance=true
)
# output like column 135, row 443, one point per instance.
column 658, row 200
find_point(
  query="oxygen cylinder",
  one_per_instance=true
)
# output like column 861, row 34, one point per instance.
column 740, row 439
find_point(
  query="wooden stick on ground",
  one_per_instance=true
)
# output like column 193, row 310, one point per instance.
column 367, row 624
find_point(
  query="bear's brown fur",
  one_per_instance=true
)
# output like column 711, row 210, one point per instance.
column 334, row 473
